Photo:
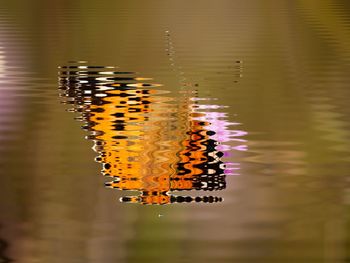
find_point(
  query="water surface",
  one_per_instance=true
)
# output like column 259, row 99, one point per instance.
column 229, row 121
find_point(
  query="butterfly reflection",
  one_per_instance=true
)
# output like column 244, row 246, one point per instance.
column 147, row 140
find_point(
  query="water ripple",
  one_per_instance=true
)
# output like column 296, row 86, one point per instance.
column 149, row 140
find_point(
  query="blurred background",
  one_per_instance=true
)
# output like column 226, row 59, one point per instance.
column 289, row 200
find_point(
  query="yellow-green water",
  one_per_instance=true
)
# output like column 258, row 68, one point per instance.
column 266, row 82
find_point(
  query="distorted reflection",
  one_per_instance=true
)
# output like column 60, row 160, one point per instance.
column 149, row 141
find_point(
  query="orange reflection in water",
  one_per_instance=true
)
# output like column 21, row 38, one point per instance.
column 147, row 140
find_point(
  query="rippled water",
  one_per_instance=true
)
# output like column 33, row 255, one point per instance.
column 150, row 142
column 232, row 115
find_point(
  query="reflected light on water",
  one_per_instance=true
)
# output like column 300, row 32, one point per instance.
column 2, row 62
column 150, row 141
column 282, row 65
